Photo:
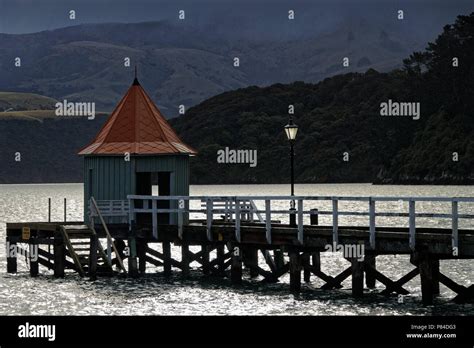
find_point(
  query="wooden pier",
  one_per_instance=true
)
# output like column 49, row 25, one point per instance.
column 232, row 233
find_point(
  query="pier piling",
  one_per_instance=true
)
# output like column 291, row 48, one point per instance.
column 166, row 258
column 59, row 255
column 425, row 265
column 236, row 266
column 34, row 266
column 185, row 259
column 306, row 261
column 220, row 259
column 279, row 258
column 369, row 277
column 435, row 270
column 141, row 248
column 11, row 259
column 132, row 259
column 251, row 260
column 295, row 271
column 94, row 246
column 357, row 277
column 205, row 259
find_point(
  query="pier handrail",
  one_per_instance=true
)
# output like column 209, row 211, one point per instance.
column 335, row 212
column 109, row 237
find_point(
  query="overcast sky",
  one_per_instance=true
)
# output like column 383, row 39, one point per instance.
column 26, row 16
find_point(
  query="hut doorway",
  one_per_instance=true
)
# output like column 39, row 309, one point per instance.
column 156, row 184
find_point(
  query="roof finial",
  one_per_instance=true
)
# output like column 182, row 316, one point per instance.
column 135, row 81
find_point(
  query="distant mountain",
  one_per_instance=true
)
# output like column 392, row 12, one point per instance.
column 342, row 138
column 186, row 65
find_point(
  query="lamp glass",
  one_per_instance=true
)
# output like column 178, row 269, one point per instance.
column 291, row 130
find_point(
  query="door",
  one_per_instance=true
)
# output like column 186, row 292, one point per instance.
column 143, row 187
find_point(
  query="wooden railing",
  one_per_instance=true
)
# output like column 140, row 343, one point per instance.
column 237, row 203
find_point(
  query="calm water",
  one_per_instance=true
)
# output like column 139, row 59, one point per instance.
column 155, row 295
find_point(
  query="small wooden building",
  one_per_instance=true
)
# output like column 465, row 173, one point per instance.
column 136, row 152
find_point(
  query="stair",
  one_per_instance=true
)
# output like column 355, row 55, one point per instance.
column 77, row 239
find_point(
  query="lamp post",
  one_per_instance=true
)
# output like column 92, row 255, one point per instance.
column 291, row 130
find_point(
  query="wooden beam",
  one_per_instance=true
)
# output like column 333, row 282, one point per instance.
column 153, row 261
column 466, row 296
column 452, row 285
column 399, row 283
column 337, row 280
column 44, row 262
column 389, row 284
column 269, row 260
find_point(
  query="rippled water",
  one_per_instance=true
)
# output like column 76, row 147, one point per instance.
column 154, row 294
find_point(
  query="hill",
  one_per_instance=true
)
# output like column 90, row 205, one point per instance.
column 339, row 118
column 15, row 101
column 183, row 64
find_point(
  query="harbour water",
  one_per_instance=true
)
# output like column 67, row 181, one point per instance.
column 156, row 295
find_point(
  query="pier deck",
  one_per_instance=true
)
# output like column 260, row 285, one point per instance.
column 235, row 234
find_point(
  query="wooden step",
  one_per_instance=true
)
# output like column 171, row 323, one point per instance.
column 81, row 249
column 80, row 243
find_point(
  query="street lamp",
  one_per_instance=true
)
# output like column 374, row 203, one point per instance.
column 291, row 130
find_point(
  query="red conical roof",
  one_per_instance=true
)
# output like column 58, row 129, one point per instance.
column 136, row 126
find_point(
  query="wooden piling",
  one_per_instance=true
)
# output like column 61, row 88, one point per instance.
column 33, row 249
column 185, row 259
column 279, row 258
column 94, row 245
column 357, row 277
column 132, row 259
column 11, row 260
column 305, row 258
column 142, row 246
column 59, row 255
column 250, row 255
column 295, row 271
column 426, row 275
column 316, row 261
column 220, row 259
column 65, row 210
column 435, row 270
column 369, row 277
column 313, row 217
column 167, row 258
column 236, row 266
column 205, row 259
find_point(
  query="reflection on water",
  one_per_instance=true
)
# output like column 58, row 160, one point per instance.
column 156, row 295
